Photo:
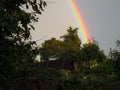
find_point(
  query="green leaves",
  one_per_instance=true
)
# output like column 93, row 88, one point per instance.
column 66, row 49
column 92, row 69
column 37, row 5
column 72, row 36
column 91, row 52
column 50, row 49
column 18, row 52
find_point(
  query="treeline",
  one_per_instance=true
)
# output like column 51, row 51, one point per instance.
column 93, row 70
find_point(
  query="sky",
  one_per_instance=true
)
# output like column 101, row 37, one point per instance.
column 102, row 18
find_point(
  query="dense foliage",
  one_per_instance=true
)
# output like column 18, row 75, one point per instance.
column 93, row 70
column 61, row 49
column 17, row 51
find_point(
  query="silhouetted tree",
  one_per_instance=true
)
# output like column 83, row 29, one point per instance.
column 17, row 51
column 65, row 49
column 50, row 49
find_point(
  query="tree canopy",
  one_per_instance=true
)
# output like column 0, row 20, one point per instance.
column 17, row 51
column 62, row 49
column 70, row 48
column 72, row 36
column 50, row 49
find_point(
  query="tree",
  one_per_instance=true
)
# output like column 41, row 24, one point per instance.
column 115, row 58
column 72, row 36
column 65, row 49
column 90, row 52
column 50, row 49
column 71, row 44
column 89, row 56
column 18, row 52
column 95, row 69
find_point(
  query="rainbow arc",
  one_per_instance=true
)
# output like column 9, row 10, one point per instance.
column 80, row 21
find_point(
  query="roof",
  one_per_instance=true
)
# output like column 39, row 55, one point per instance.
column 57, row 64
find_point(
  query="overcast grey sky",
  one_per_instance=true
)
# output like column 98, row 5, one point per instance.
column 102, row 18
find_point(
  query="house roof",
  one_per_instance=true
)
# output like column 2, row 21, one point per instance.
column 57, row 64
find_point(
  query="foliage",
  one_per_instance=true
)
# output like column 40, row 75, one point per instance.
column 50, row 48
column 66, row 49
column 18, row 52
column 99, row 78
column 71, row 44
column 90, row 52
column 93, row 71
column 72, row 36
column 115, row 58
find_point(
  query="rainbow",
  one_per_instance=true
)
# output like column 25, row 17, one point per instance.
column 83, row 29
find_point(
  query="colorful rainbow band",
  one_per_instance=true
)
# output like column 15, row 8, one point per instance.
column 83, row 29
